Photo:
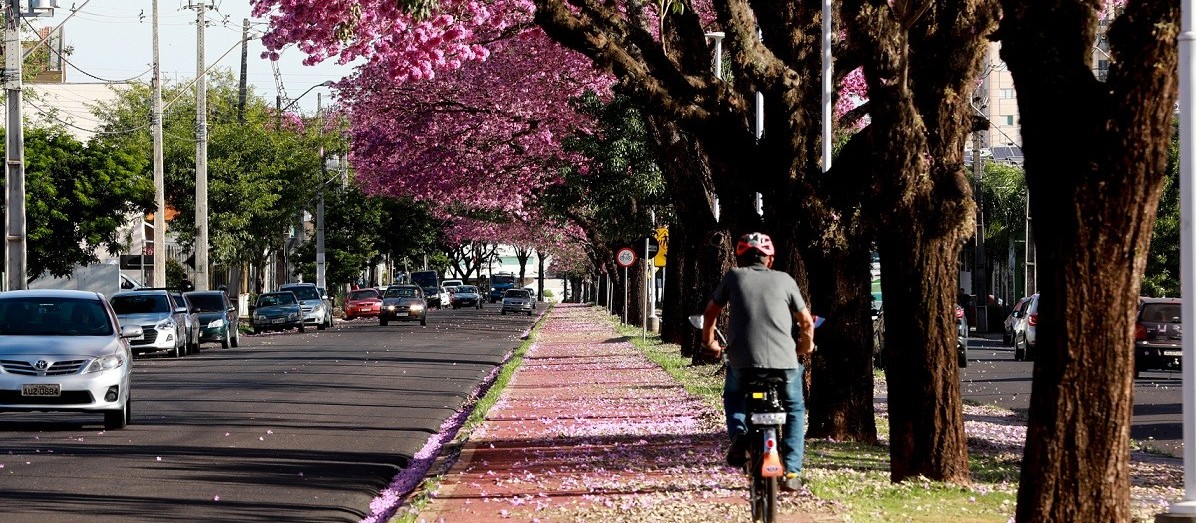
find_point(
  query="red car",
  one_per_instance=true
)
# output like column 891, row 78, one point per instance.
column 363, row 303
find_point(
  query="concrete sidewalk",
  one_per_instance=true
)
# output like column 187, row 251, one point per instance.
column 589, row 429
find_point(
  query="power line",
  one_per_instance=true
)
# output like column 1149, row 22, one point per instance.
column 77, row 68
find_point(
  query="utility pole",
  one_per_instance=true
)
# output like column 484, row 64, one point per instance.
column 202, row 282
column 321, row 266
column 159, row 253
column 979, row 275
column 243, row 87
column 14, row 263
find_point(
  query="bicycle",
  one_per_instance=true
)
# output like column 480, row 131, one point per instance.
column 765, row 417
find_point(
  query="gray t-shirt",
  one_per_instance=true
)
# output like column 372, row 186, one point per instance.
column 760, row 333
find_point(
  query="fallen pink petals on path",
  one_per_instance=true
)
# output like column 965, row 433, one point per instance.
column 589, row 429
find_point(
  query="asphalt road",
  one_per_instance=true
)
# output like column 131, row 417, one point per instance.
column 288, row 427
column 994, row 378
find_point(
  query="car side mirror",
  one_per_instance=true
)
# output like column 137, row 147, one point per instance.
column 131, row 331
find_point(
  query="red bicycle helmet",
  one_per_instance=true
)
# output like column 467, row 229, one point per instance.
column 754, row 240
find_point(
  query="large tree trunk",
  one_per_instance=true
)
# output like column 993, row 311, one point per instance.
column 1093, row 206
column 920, row 61
column 921, row 368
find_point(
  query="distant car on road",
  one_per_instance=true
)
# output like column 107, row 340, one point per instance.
column 277, row 311
column 218, row 318
column 467, row 296
column 1025, row 332
column 1158, row 335
column 1016, row 314
column 403, row 303
column 363, row 303
column 516, row 301
column 65, row 350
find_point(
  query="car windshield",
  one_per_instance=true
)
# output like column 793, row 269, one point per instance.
column 53, row 317
column 1161, row 312
column 270, row 300
column 140, row 304
column 364, row 294
column 400, row 292
column 467, row 289
column 304, row 292
column 518, row 294
column 207, row 302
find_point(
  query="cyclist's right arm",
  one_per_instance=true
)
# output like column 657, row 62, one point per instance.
column 805, row 336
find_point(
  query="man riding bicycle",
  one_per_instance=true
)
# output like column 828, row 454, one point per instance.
column 764, row 306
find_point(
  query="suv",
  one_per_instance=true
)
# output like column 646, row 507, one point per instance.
column 218, row 318
column 163, row 323
column 1158, row 335
column 1025, row 331
column 316, row 311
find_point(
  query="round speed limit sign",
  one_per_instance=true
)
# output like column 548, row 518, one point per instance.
column 625, row 257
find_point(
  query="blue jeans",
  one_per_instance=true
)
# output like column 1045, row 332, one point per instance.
column 793, row 439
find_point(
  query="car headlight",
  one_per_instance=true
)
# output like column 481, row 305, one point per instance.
column 259, row 317
column 109, row 362
column 416, row 306
column 167, row 323
column 318, row 309
column 390, row 307
column 216, row 324
column 293, row 316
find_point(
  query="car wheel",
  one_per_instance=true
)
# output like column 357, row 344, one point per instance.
column 1019, row 349
column 382, row 322
column 117, row 419
column 302, row 328
column 504, row 312
column 529, row 313
column 237, row 338
column 348, row 318
column 228, row 338
column 256, row 330
column 321, row 326
column 423, row 320
column 963, row 355
column 177, row 351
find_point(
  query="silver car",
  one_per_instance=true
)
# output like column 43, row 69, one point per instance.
column 316, row 310
column 1025, row 332
column 516, row 301
column 64, row 350
column 163, row 323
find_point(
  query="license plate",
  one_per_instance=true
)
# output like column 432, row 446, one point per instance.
column 33, row 389
column 1173, row 353
column 400, row 315
column 280, row 320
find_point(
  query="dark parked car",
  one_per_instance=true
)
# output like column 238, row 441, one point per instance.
column 277, row 311
column 1158, row 335
column 467, row 296
column 403, row 303
column 218, row 318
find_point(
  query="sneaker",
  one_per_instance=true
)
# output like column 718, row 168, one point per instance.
column 737, row 453
column 791, row 482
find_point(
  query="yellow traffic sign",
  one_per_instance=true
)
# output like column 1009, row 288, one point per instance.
column 662, row 238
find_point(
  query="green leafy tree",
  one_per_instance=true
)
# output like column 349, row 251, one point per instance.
column 262, row 171
column 1162, row 264
column 77, row 199
column 352, row 236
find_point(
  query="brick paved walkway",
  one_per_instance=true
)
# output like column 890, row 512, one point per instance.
column 591, row 430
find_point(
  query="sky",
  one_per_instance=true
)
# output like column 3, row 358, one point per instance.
column 113, row 40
